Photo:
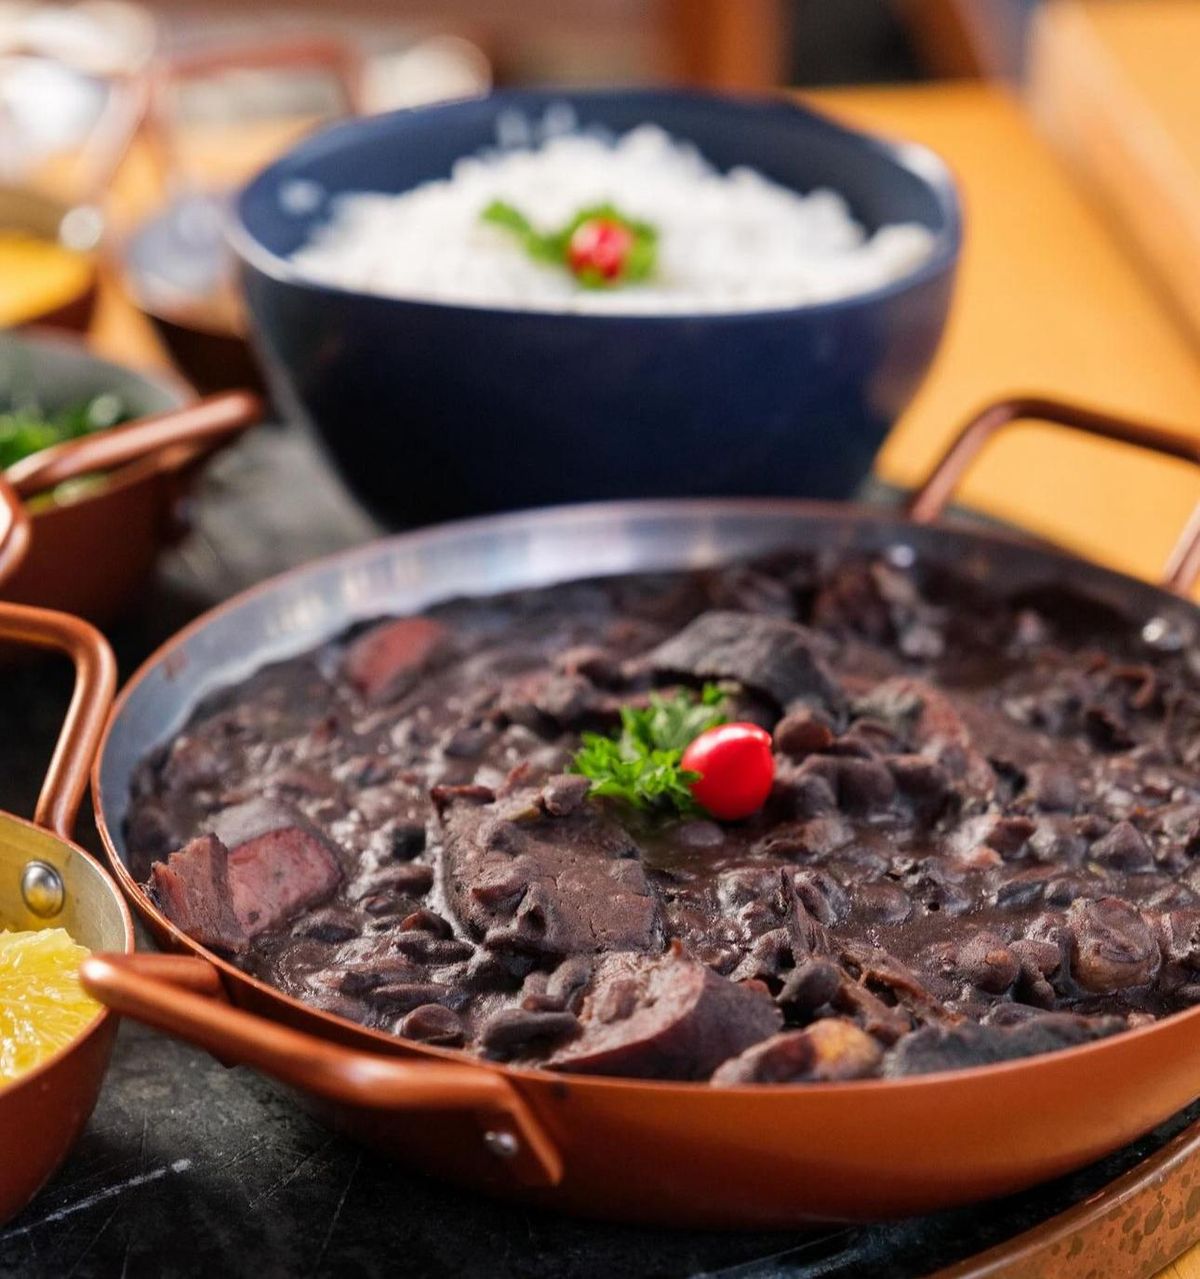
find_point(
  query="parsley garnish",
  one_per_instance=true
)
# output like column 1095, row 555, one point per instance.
column 553, row 247
column 641, row 766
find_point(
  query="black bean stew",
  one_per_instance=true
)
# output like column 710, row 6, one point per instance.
column 983, row 839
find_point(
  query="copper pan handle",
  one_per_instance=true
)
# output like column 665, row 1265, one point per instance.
column 95, row 683
column 932, row 498
column 206, row 424
column 14, row 529
column 173, row 994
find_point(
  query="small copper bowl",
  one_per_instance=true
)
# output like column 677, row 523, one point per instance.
column 47, row 881
column 151, row 462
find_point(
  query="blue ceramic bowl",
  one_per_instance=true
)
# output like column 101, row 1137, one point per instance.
column 433, row 411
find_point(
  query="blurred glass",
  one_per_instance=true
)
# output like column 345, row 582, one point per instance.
column 71, row 92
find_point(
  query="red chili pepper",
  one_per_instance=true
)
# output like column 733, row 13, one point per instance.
column 600, row 246
column 736, row 769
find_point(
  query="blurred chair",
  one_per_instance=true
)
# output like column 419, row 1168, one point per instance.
column 969, row 37
column 726, row 44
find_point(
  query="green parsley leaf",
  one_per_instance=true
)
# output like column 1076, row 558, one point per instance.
column 641, row 765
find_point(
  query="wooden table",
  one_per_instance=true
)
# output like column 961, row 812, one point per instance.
column 1048, row 301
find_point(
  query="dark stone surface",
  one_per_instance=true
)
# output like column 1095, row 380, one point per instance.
column 191, row 1169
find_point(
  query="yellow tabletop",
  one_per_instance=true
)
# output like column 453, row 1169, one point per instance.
column 1048, row 302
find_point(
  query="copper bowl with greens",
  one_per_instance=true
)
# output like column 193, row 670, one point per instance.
column 101, row 456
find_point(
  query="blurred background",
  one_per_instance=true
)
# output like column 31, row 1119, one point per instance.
column 1073, row 127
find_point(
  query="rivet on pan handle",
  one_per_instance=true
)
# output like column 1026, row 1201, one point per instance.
column 932, row 498
column 95, row 683
column 14, row 529
column 204, row 425
column 165, row 996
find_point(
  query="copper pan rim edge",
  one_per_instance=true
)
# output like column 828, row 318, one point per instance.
column 598, row 513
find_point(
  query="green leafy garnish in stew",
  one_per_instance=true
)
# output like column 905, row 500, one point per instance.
column 600, row 245
column 641, row 765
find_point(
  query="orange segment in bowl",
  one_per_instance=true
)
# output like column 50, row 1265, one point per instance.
column 42, row 1005
column 38, row 275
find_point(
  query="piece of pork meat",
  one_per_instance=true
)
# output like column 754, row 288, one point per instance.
column 526, row 881
column 664, row 1017
column 192, row 889
column 770, row 655
column 261, row 861
column 383, row 662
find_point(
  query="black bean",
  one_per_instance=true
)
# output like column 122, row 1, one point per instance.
column 802, row 733
column 408, row 840
column 824, row 897
column 433, row 1024
column 1123, row 848
column 513, row 1031
column 426, row 921
column 1053, row 787
column 811, row 985
column 864, row 785
column 329, row 925
column 562, row 795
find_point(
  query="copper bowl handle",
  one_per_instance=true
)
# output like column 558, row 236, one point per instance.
column 95, row 683
column 933, row 496
column 206, row 425
column 14, row 529
column 182, row 996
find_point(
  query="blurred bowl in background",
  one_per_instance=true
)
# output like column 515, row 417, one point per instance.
column 47, row 260
column 176, row 265
column 434, row 411
column 177, row 270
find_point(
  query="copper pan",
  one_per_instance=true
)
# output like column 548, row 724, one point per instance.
column 88, row 555
column 673, row 1153
column 48, row 881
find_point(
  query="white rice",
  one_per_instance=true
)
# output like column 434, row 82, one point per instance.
column 728, row 242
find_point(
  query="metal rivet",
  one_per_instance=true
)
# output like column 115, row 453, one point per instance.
column 502, row 1144
column 42, row 889
column 900, row 556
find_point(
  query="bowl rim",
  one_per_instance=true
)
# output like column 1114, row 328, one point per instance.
column 914, row 158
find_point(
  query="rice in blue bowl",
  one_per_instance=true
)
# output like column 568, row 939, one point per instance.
column 449, row 374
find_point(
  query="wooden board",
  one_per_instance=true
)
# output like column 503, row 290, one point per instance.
column 1115, row 87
